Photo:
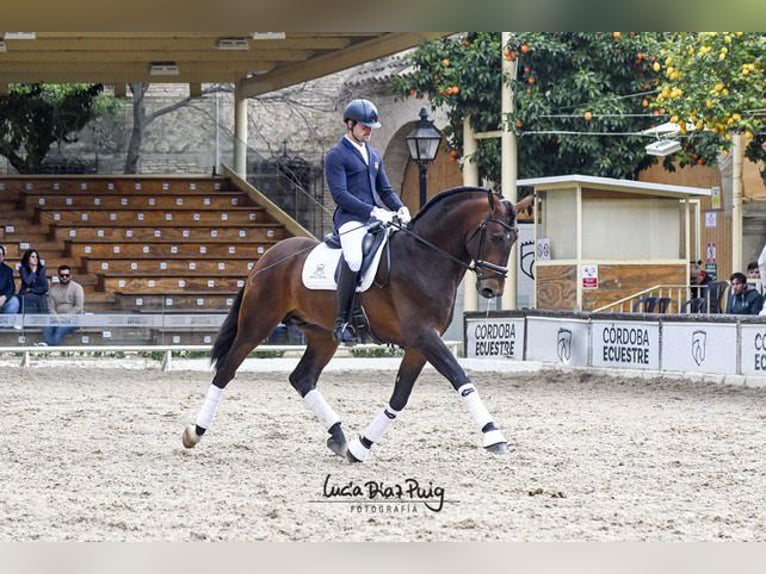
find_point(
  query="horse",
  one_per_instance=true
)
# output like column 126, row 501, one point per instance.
column 410, row 305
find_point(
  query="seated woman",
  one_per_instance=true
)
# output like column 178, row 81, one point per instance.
column 34, row 283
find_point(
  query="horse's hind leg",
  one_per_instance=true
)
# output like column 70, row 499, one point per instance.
column 245, row 339
column 409, row 369
column 319, row 350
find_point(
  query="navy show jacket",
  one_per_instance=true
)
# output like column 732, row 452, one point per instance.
column 354, row 184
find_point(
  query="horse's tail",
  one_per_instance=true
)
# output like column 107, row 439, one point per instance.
column 226, row 333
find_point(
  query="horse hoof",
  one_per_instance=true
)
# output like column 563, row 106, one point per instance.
column 351, row 458
column 498, row 448
column 339, row 448
column 190, row 438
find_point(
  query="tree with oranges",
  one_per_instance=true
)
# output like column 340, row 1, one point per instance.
column 715, row 84
column 580, row 98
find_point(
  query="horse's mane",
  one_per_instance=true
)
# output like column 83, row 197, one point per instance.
column 442, row 196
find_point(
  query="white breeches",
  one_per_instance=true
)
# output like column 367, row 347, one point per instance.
column 351, row 236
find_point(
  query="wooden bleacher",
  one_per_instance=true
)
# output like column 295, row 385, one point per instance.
column 143, row 243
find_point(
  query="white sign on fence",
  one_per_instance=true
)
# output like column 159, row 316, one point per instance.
column 499, row 338
column 753, row 346
column 699, row 347
column 626, row 345
column 557, row 340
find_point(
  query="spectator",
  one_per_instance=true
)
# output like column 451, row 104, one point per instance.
column 743, row 299
column 64, row 298
column 9, row 303
column 752, row 270
column 698, row 278
column 34, row 283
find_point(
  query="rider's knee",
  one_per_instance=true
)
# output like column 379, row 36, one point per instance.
column 354, row 261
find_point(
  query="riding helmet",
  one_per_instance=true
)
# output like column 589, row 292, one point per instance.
column 362, row 111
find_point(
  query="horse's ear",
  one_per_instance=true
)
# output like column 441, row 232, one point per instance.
column 491, row 197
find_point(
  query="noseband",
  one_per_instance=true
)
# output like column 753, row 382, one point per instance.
column 486, row 269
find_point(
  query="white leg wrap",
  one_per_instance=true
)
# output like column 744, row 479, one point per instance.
column 476, row 408
column 356, row 448
column 323, row 411
column 207, row 412
column 380, row 424
column 493, row 437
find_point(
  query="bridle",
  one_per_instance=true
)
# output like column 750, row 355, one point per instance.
column 479, row 265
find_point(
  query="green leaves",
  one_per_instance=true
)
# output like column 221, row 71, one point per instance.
column 35, row 116
column 716, row 82
column 576, row 95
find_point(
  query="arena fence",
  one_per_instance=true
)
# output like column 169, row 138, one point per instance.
column 105, row 334
column 702, row 344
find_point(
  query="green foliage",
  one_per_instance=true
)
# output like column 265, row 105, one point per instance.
column 35, row 116
column 387, row 351
column 716, row 82
column 568, row 85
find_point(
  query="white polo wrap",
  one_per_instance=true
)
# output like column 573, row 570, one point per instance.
column 356, row 448
column 475, row 406
column 380, row 424
column 323, row 411
column 207, row 412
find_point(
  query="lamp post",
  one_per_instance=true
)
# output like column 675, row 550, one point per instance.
column 423, row 143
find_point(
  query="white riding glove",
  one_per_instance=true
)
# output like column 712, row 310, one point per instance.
column 404, row 215
column 382, row 215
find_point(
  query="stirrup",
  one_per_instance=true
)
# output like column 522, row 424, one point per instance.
column 344, row 334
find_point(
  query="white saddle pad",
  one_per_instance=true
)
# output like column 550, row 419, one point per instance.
column 319, row 268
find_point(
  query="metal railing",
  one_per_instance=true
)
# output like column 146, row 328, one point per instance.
column 671, row 299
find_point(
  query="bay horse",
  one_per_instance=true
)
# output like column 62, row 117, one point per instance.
column 410, row 305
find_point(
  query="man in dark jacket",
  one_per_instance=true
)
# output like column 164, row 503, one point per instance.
column 363, row 194
column 743, row 299
column 8, row 301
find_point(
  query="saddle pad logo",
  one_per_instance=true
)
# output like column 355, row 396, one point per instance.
column 699, row 344
column 564, row 345
column 319, row 268
column 319, row 272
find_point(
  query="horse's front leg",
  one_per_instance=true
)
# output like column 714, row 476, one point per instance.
column 319, row 350
column 409, row 369
column 445, row 362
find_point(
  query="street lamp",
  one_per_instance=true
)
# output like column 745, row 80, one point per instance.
column 423, row 143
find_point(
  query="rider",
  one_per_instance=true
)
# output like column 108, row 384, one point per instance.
column 362, row 192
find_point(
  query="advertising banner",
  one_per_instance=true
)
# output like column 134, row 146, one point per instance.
column 557, row 340
column 699, row 347
column 626, row 344
column 753, row 346
column 495, row 338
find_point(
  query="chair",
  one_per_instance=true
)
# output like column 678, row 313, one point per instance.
column 645, row 304
column 715, row 296
column 662, row 305
column 694, row 305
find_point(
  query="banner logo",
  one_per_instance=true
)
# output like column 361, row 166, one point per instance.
column 564, row 345
column 699, row 340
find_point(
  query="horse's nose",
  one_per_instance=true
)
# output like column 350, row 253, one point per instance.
column 487, row 292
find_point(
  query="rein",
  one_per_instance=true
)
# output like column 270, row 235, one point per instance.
column 478, row 265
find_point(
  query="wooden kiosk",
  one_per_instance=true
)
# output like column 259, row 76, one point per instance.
column 598, row 240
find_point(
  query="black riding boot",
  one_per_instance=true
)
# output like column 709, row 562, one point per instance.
column 347, row 281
